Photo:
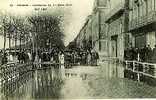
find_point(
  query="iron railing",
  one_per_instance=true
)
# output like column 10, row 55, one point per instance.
column 141, row 68
column 11, row 71
column 11, row 74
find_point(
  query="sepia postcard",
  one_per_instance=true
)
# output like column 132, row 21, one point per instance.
column 77, row 49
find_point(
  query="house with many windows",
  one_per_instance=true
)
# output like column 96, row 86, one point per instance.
column 142, row 22
column 114, row 25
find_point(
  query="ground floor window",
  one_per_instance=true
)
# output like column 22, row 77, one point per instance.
column 140, row 41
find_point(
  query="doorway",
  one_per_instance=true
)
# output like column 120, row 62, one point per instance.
column 114, row 46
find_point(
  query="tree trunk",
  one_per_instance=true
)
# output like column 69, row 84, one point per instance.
column 25, row 42
column 15, row 42
column 9, row 43
column 4, row 43
column 20, row 42
column 33, row 43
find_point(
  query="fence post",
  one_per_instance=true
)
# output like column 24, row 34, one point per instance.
column 133, row 66
column 138, row 77
column 143, row 67
column 126, row 64
column 154, row 70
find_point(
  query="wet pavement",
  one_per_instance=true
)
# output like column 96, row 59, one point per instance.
column 79, row 82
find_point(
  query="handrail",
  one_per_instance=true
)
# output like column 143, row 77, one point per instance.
column 145, row 68
column 144, row 63
column 48, row 63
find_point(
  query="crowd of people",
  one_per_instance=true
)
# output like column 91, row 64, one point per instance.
column 24, row 56
column 82, row 58
column 144, row 54
column 69, row 58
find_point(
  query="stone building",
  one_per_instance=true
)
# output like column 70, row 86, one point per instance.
column 92, row 34
column 81, row 37
column 99, row 27
column 142, row 23
column 115, row 19
column 115, row 25
column 106, row 28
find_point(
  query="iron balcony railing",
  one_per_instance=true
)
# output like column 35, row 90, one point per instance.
column 142, row 20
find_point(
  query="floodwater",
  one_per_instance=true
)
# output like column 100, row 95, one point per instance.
column 79, row 82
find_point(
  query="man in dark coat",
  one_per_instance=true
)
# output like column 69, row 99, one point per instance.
column 96, row 58
column 143, row 54
column 149, row 54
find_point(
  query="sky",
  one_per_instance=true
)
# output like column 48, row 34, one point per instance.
column 74, row 15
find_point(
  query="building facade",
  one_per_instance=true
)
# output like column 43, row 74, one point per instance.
column 117, row 23
column 99, row 27
column 142, row 22
column 81, row 37
column 92, row 34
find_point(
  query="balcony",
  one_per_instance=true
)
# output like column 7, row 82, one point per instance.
column 142, row 21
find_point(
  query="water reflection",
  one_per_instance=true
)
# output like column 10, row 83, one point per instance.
column 8, row 87
column 109, row 70
column 47, row 84
column 106, row 81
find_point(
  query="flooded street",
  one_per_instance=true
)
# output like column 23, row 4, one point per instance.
column 80, row 82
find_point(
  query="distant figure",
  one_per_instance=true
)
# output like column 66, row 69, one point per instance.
column 72, row 58
column 19, row 57
column 44, row 58
column 26, row 57
column 36, row 58
column 51, row 59
column 48, row 56
column 4, row 59
column 33, row 56
column 56, row 59
column 84, row 59
column 130, row 53
column 149, row 54
column 61, row 60
column 1, row 57
column 30, row 57
column 89, row 59
column 154, row 55
column 96, row 58
column 23, row 57
column 143, row 53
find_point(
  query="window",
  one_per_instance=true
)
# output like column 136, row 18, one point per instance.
column 144, row 8
column 102, row 3
column 140, row 41
column 153, row 4
column 149, row 2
